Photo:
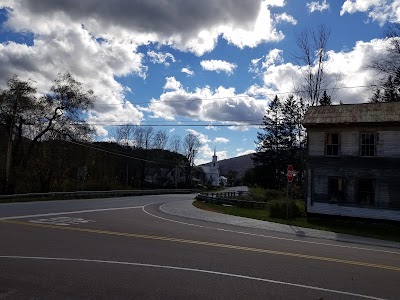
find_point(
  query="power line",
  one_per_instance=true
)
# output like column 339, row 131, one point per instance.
column 102, row 149
column 233, row 97
column 171, row 125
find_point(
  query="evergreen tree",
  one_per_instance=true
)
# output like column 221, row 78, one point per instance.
column 325, row 99
column 390, row 90
column 270, row 143
column 376, row 97
column 281, row 141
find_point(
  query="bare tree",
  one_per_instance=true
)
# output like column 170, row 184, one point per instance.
column 387, row 66
column 138, row 136
column 160, row 139
column 175, row 143
column 191, row 145
column 312, row 56
column 148, row 133
column 123, row 134
column 389, row 63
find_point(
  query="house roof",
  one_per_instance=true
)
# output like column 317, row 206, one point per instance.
column 385, row 112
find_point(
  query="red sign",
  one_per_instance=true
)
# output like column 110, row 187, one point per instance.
column 290, row 172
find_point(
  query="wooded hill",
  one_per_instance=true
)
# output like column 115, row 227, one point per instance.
column 58, row 165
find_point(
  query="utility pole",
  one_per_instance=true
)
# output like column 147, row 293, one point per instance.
column 10, row 141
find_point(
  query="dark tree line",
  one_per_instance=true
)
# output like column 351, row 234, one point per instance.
column 281, row 142
column 47, row 145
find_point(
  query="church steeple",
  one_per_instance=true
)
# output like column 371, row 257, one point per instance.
column 214, row 158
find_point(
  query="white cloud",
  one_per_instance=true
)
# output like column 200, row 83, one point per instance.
column 284, row 17
column 205, row 154
column 345, row 70
column 160, row 57
column 244, row 152
column 218, row 66
column 203, row 139
column 221, row 140
column 274, row 56
column 227, row 107
column 187, row 71
column 210, row 127
column 172, row 84
column 95, row 64
column 197, row 29
column 381, row 11
column 316, row 6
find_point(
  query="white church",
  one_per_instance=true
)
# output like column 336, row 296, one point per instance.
column 211, row 172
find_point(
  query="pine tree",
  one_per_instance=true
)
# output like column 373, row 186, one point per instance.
column 270, row 142
column 282, row 140
column 390, row 91
column 325, row 99
column 376, row 97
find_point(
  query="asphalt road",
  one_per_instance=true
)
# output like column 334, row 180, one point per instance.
column 127, row 248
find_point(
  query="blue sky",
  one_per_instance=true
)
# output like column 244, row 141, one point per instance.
column 200, row 67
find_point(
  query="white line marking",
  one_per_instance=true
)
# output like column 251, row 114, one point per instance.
column 192, row 270
column 64, row 221
column 69, row 212
column 265, row 236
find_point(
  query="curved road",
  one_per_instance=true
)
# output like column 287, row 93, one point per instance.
column 129, row 248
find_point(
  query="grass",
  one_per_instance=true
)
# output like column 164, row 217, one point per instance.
column 390, row 232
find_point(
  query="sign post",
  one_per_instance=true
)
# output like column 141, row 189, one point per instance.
column 290, row 172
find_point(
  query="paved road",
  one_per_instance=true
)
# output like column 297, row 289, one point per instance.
column 129, row 248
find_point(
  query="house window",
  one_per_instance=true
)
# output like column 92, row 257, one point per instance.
column 332, row 144
column 368, row 143
column 335, row 189
column 366, row 191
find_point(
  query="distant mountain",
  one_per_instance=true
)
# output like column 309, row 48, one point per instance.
column 239, row 164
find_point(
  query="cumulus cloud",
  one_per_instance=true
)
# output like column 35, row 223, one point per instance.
column 172, row 84
column 188, row 25
column 381, row 11
column 187, row 71
column 284, row 17
column 346, row 70
column 218, row 66
column 95, row 64
column 316, row 6
column 274, row 56
column 203, row 139
column 205, row 154
column 221, row 140
column 206, row 104
column 241, row 152
column 160, row 57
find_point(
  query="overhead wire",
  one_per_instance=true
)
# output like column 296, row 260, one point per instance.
column 102, row 149
column 232, row 97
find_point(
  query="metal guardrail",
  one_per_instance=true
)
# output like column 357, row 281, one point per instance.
column 224, row 198
column 96, row 193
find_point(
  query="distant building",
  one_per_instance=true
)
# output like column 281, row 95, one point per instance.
column 211, row 171
column 353, row 164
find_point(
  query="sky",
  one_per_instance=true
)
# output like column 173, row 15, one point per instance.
column 205, row 67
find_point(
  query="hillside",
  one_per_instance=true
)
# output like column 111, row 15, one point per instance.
column 239, row 164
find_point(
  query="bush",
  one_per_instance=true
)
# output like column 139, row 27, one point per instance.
column 277, row 209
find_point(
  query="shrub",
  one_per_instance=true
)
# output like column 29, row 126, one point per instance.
column 277, row 209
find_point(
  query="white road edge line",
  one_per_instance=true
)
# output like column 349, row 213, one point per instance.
column 265, row 236
column 192, row 270
column 69, row 212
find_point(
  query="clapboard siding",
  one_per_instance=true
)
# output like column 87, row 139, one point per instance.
column 316, row 143
column 349, row 143
column 388, row 141
column 388, row 144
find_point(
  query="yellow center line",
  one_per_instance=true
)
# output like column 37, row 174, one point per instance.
column 211, row 244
